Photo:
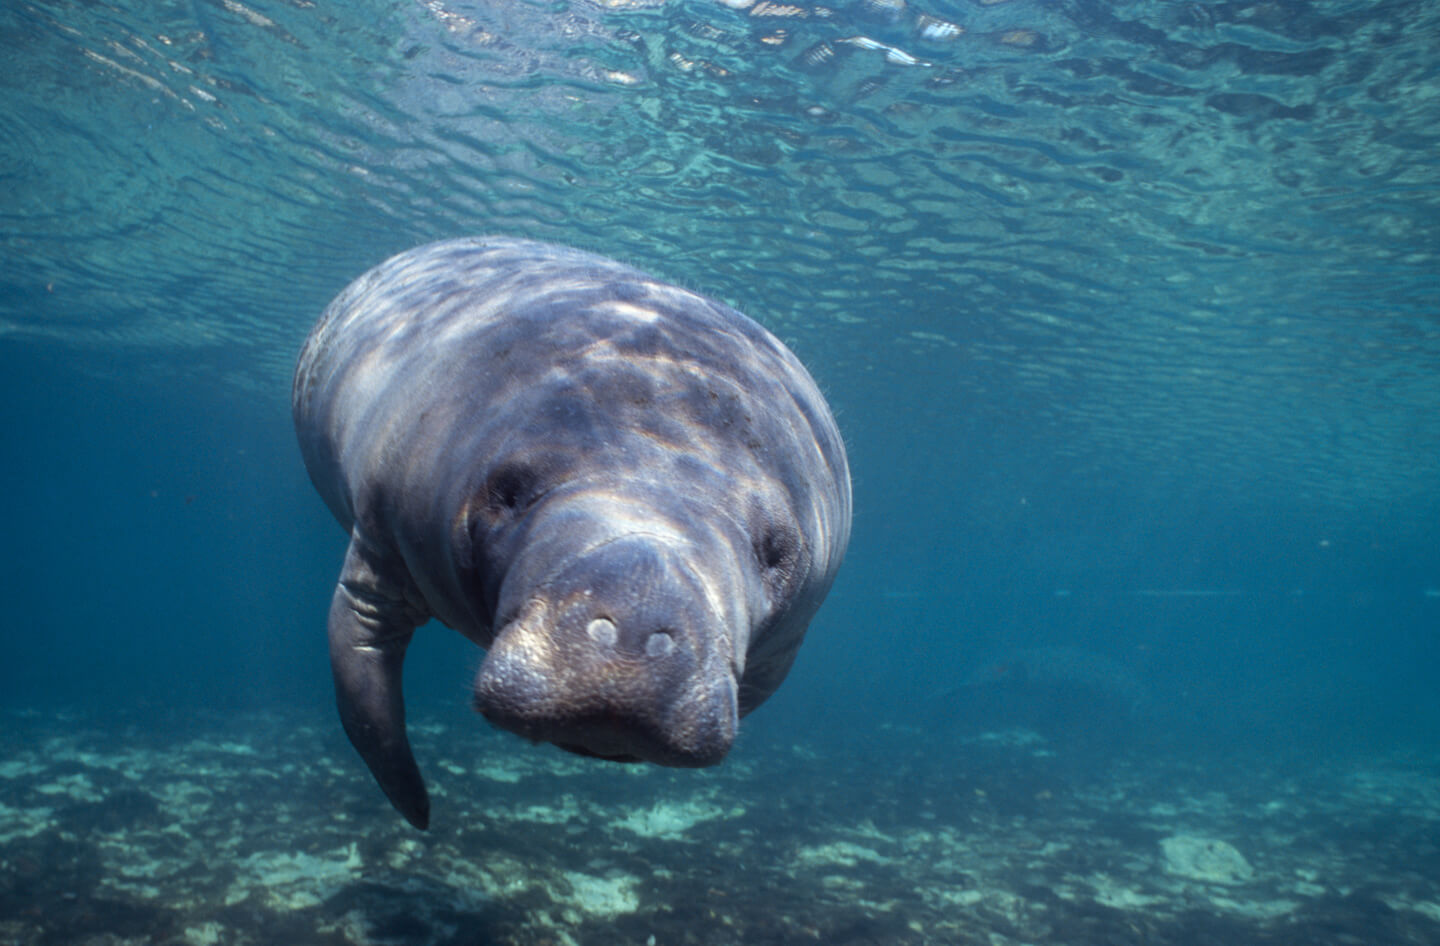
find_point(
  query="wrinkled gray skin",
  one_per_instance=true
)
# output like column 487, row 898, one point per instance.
column 634, row 497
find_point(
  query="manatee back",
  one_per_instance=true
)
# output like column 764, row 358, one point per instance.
column 436, row 334
column 422, row 375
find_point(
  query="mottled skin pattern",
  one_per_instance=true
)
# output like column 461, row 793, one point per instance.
column 633, row 496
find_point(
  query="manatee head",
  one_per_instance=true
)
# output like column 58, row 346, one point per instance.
column 619, row 632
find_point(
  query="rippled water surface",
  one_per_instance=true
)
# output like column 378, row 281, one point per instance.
column 1163, row 240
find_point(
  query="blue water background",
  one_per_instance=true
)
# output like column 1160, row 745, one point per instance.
column 1130, row 314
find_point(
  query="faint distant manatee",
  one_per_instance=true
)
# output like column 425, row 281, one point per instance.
column 634, row 496
column 1049, row 688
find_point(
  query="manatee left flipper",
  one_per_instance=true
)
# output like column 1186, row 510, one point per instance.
column 370, row 625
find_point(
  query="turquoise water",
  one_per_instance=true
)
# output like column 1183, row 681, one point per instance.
column 1129, row 312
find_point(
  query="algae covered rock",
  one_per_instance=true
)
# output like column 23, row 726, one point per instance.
column 1205, row 859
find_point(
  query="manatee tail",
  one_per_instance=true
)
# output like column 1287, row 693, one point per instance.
column 369, row 631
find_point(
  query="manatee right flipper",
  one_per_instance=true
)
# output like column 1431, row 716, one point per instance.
column 370, row 626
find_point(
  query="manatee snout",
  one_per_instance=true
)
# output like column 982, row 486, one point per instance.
column 620, row 657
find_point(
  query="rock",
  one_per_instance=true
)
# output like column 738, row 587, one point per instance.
column 1205, row 859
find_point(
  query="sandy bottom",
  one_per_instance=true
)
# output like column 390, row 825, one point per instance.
column 266, row 829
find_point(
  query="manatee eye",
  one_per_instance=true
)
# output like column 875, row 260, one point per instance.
column 515, row 483
column 511, row 488
column 775, row 548
column 778, row 546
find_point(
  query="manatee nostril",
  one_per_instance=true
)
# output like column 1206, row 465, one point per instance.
column 602, row 631
column 660, row 644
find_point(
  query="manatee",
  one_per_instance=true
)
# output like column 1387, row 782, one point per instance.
column 1057, row 690
column 635, row 498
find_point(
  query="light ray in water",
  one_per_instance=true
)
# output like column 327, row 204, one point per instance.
column 1187, row 593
